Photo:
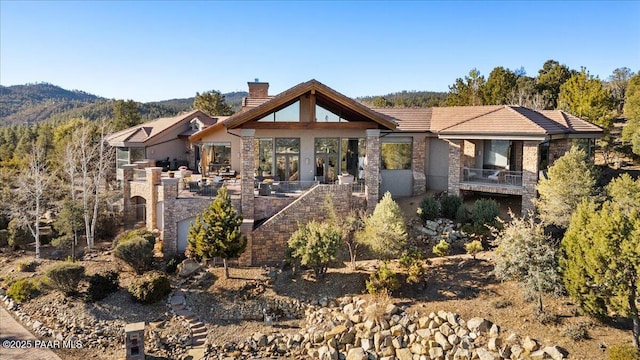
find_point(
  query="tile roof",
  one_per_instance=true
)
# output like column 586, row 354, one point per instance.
column 409, row 119
column 145, row 132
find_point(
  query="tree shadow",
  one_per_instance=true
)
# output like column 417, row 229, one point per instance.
column 452, row 279
column 332, row 285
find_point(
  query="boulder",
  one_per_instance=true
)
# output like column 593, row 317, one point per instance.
column 442, row 341
column 188, row 267
column 479, row 325
column 404, row 354
column 357, row 353
column 556, row 352
column 436, row 353
column 338, row 330
column 484, row 354
column 529, row 344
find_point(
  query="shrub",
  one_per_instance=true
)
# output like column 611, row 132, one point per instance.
column 316, row 244
column 473, row 248
column 450, row 205
column 501, row 304
column 412, row 262
column 173, row 262
column 65, row 277
column 4, row 238
column 384, row 231
column 428, row 209
column 484, row 213
column 577, row 331
column 134, row 234
column 442, row 248
column 623, row 352
column 137, row 253
column 150, row 288
column 382, row 281
column 461, row 215
column 18, row 235
column 23, row 290
column 27, row 266
column 101, row 285
column 547, row 318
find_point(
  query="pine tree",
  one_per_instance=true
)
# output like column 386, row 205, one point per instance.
column 525, row 254
column 569, row 180
column 384, row 231
column 212, row 103
column 631, row 131
column 316, row 244
column 585, row 97
column 216, row 232
column 601, row 260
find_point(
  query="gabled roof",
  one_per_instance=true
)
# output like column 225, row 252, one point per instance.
column 197, row 136
column 409, row 119
column 144, row 133
column 322, row 91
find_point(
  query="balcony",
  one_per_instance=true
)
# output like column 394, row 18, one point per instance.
column 492, row 178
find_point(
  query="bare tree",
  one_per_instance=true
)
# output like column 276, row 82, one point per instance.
column 92, row 157
column 31, row 193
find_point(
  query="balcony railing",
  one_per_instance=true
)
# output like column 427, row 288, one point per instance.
column 492, row 177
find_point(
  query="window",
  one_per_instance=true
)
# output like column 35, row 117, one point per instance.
column 290, row 113
column 263, row 156
column 125, row 156
column 496, row 154
column 324, row 115
column 396, row 154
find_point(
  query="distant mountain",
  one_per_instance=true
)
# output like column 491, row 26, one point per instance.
column 32, row 103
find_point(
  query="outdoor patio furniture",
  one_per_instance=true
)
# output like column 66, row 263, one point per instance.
column 495, row 176
column 345, row 179
column 194, row 186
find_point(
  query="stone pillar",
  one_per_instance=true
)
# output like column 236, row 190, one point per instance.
column 372, row 169
column 557, row 148
column 529, row 175
column 170, row 229
column 456, row 149
column 153, row 175
column 128, row 211
column 247, row 199
column 418, row 155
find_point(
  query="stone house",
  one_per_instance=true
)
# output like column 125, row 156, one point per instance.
column 293, row 149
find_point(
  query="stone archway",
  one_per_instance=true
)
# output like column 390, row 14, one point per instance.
column 139, row 209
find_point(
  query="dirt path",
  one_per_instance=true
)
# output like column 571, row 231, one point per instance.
column 18, row 343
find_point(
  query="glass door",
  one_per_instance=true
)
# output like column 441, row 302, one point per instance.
column 287, row 169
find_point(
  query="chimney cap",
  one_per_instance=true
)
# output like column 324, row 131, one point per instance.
column 256, row 80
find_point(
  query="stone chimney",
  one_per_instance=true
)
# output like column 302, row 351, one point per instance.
column 258, row 89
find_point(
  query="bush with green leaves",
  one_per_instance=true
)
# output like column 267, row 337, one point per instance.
column 624, row 352
column 65, row 277
column 4, row 238
column 101, row 285
column 577, row 331
column 137, row 253
column 462, row 215
column 450, row 205
column 484, row 214
column 428, row 209
column 442, row 248
column 412, row 261
column 383, row 281
column 134, row 234
column 473, row 248
column 23, row 290
column 150, row 288
column 27, row 266
column 315, row 245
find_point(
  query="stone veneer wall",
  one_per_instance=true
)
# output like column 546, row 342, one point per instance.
column 529, row 175
column 372, row 169
column 456, row 149
column 178, row 209
column 418, row 155
column 246, row 173
column 267, row 206
column 557, row 148
column 469, row 154
column 270, row 239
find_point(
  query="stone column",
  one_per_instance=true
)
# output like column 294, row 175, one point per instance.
column 247, row 199
column 128, row 211
column 418, row 154
column 372, row 169
column 529, row 175
column 170, row 228
column 153, row 175
column 456, row 149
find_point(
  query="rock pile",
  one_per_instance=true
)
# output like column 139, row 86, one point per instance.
column 431, row 232
column 357, row 330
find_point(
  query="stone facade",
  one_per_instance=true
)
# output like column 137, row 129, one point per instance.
column 372, row 169
column 557, row 148
column 529, row 175
column 145, row 189
column 270, row 238
column 469, row 159
column 246, row 173
column 456, row 149
column 418, row 154
column 267, row 206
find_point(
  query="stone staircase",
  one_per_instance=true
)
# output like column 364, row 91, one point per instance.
column 178, row 304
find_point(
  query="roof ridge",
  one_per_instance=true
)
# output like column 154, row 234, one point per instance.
column 471, row 118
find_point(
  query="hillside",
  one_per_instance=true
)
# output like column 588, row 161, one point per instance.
column 33, row 103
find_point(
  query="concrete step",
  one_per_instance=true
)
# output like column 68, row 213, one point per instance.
column 200, row 330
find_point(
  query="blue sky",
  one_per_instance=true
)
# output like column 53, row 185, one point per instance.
column 157, row 50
